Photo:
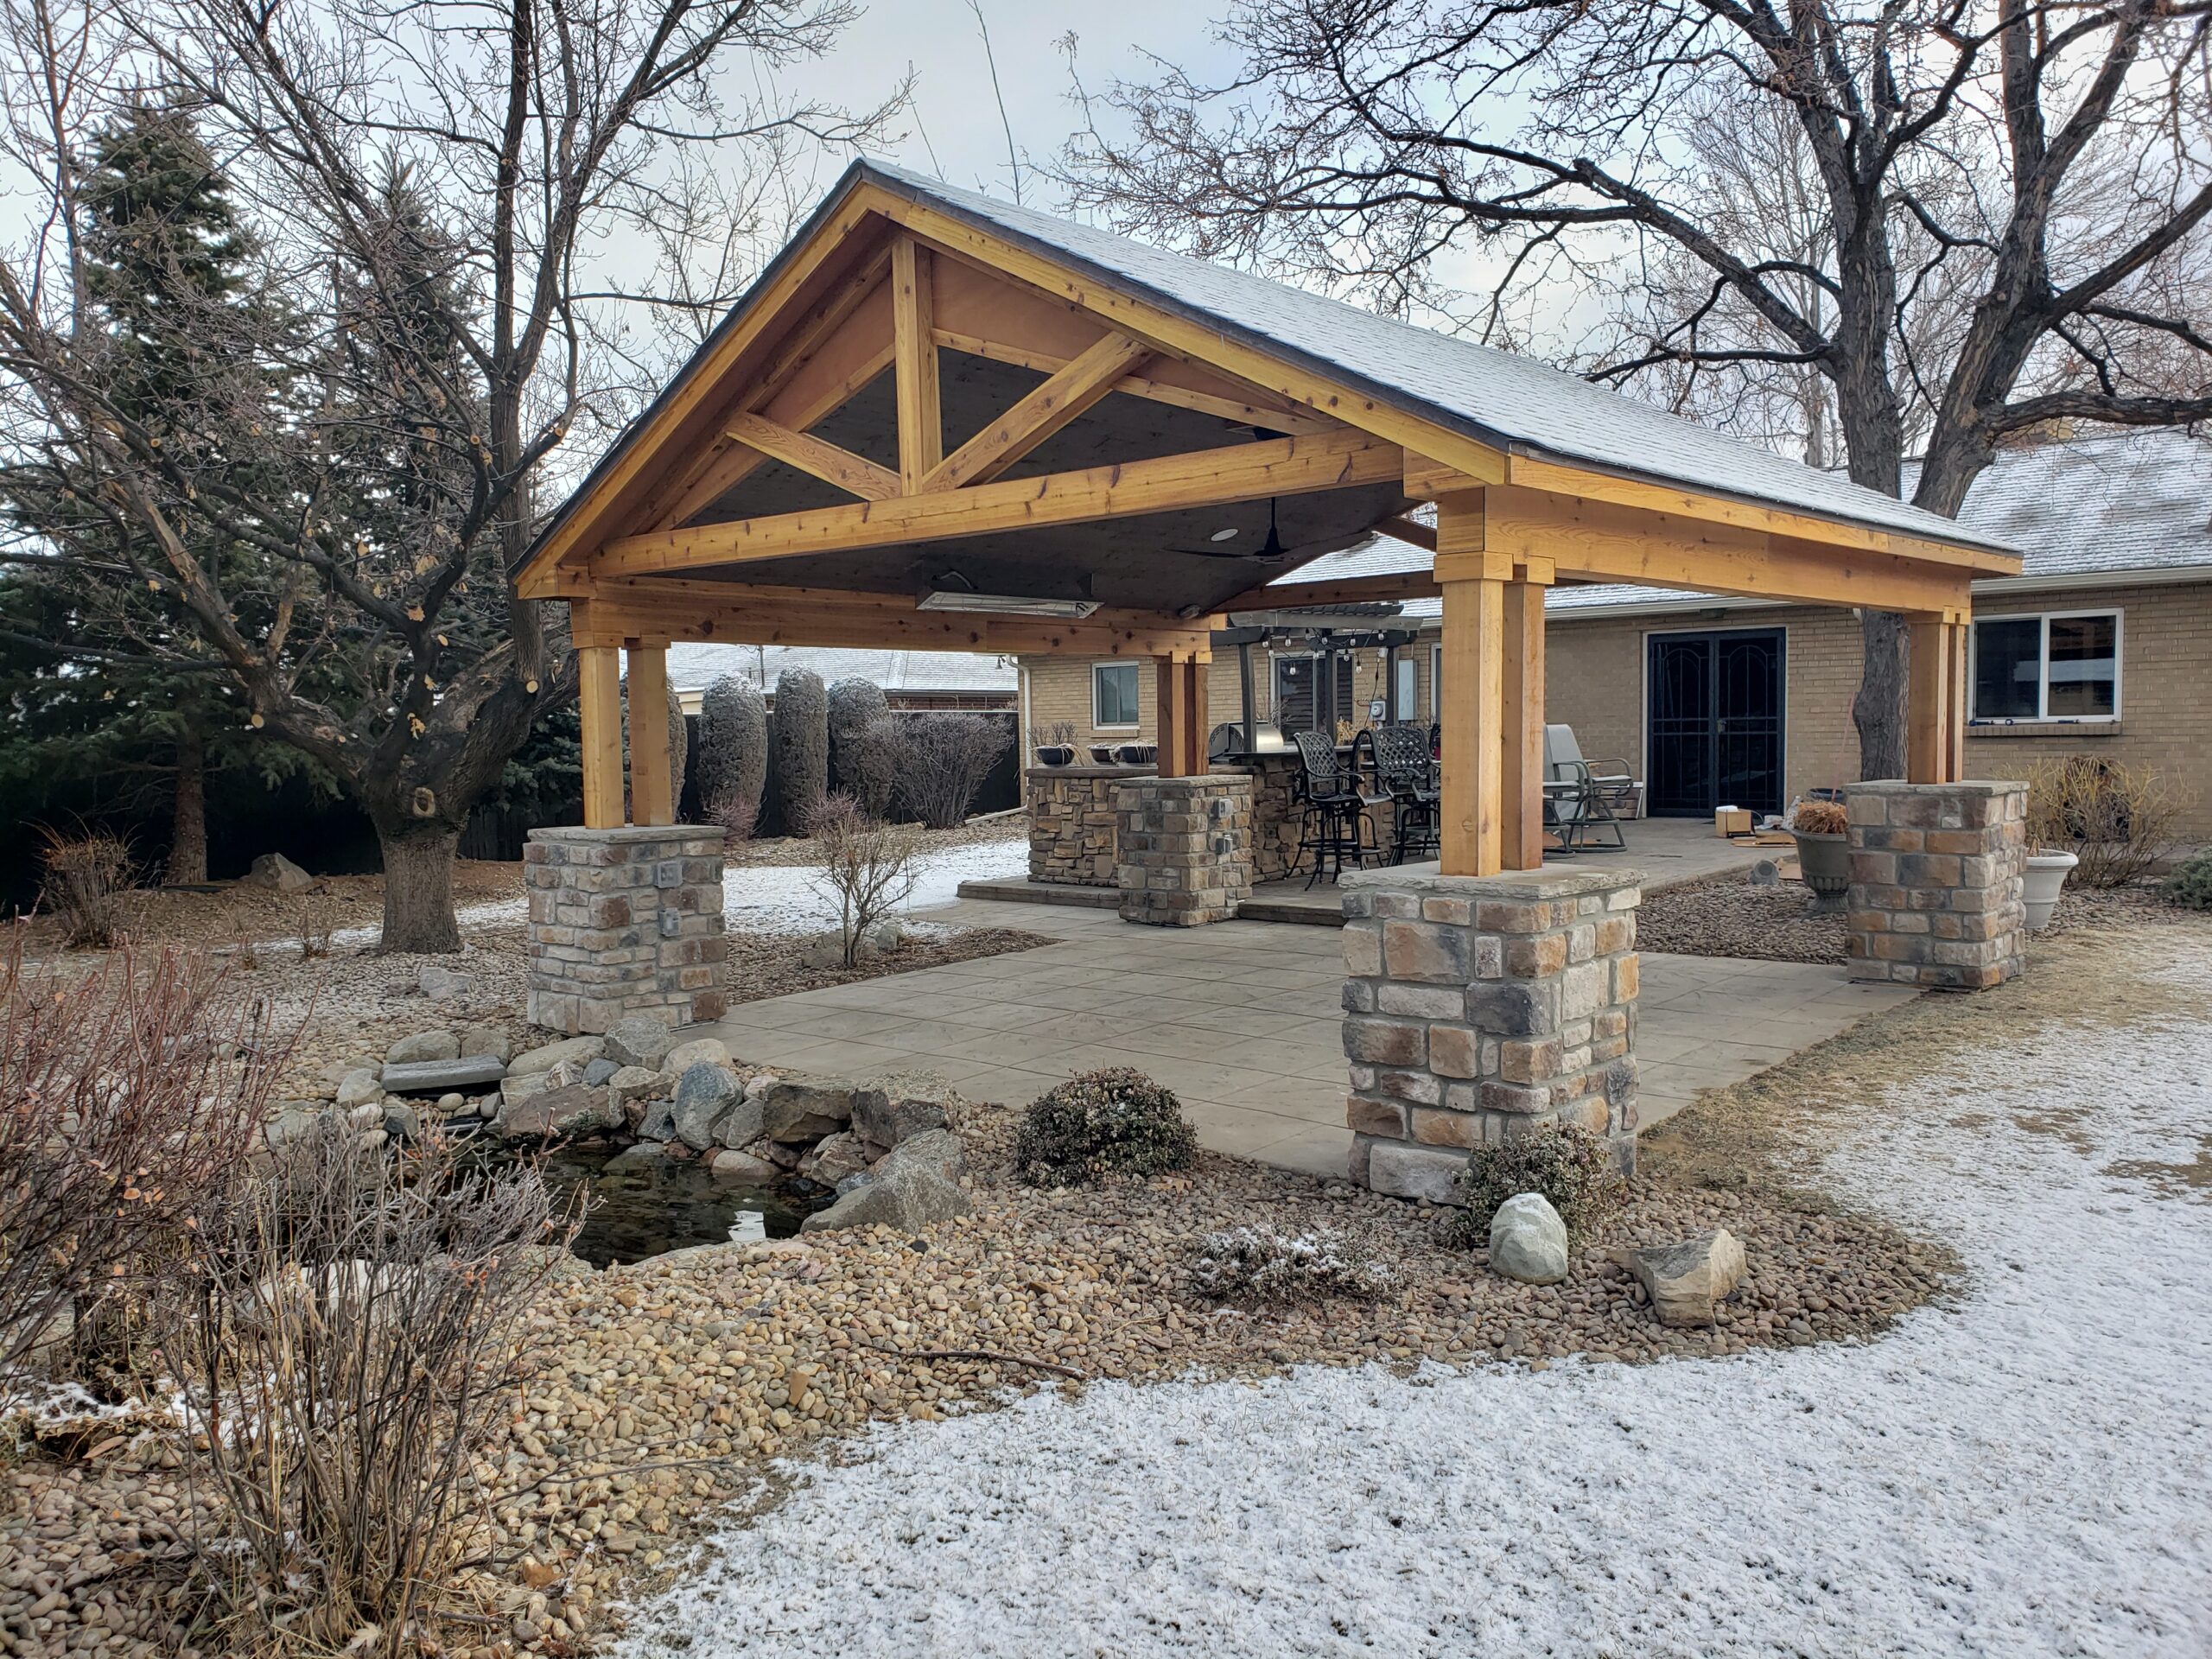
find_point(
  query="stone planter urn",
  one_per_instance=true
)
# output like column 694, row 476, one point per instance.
column 2046, row 874
column 1825, row 863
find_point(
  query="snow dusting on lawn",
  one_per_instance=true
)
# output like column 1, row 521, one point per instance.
column 2026, row 1472
column 784, row 898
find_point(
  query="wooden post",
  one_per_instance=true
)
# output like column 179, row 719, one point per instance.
column 921, row 410
column 599, row 697
column 1928, row 701
column 1521, row 730
column 1169, row 716
column 652, row 768
column 1956, row 656
column 1473, row 581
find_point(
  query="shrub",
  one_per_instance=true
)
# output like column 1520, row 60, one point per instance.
column 2117, row 820
column 1572, row 1168
column 798, row 747
column 347, row 1332
column 1821, row 818
column 938, row 762
column 1258, row 1264
column 732, row 753
column 2190, row 884
column 1115, row 1121
column 865, row 866
column 125, row 1098
column 83, row 879
column 855, row 706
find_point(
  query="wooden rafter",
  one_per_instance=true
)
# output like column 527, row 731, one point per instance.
column 854, row 474
column 1048, row 407
column 921, row 404
column 1410, row 529
column 1245, row 471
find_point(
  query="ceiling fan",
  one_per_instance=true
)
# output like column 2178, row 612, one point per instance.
column 1270, row 551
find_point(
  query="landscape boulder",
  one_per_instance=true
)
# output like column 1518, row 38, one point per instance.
column 278, row 874
column 699, row 1050
column 658, row 1124
column 913, row 1187
column 424, row 1045
column 805, row 1109
column 705, row 1095
column 487, row 1039
column 885, row 1118
column 582, row 1051
column 601, row 1070
column 358, row 1087
column 518, row 1086
column 1527, row 1240
column 442, row 1076
column 640, row 1039
column 573, row 1109
column 835, row 1157
column 293, row 1120
column 631, row 1083
column 743, row 1168
column 441, row 983
column 1686, row 1280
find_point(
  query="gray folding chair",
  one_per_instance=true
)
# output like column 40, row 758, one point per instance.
column 1582, row 800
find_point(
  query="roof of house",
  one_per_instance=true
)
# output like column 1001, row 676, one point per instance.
column 691, row 668
column 2117, row 502
column 1497, row 398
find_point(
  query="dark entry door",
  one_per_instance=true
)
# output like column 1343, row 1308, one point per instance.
column 1714, row 722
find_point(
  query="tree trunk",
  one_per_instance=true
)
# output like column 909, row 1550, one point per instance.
column 418, row 915
column 188, row 859
column 1878, row 710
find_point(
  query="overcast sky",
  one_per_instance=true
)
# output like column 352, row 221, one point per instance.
column 953, row 129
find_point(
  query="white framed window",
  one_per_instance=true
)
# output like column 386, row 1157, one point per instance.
column 1405, row 693
column 2049, row 665
column 1114, row 696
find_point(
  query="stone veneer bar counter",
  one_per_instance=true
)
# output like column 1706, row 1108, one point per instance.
column 1477, row 1007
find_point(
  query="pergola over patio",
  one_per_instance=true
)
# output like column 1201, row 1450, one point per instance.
column 941, row 422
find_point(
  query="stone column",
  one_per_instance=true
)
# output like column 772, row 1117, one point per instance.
column 1935, row 880
column 1477, row 1007
column 624, row 920
column 1183, row 847
column 1071, row 813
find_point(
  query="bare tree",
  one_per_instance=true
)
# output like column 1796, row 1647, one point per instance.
column 865, row 866
column 450, row 200
column 1987, row 216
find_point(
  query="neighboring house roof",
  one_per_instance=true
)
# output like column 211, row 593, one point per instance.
column 1497, row 398
column 690, row 667
column 2116, row 503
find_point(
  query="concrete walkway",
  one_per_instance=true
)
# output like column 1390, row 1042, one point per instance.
column 1240, row 1019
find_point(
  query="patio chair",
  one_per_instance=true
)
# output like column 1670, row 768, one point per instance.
column 1405, row 772
column 1581, row 803
column 1332, row 808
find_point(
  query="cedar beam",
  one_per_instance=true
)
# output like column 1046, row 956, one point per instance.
column 1470, row 828
column 652, row 766
column 921, row 405
column 1076, row 388
column 1521, row 729
column 1242, row 472
column 1410, row 529
column 854, row 474
column 1350, row 590
column 1935, row 701
column 599, row 697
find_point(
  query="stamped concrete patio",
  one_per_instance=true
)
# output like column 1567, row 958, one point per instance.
column 1241, row 1019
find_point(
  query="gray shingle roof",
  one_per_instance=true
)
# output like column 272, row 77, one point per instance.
column 1496, row 398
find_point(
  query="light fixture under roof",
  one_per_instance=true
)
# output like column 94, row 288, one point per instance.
column 1229, row 535
column 946, row 599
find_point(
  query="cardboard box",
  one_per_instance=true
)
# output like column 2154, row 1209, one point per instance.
column 1732, row 821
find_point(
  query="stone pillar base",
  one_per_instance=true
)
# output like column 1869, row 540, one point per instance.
column 624, row 921
column 1183, row 847
column 1477, row 1007
column 1936, row 873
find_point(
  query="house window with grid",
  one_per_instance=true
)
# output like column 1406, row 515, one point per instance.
column 2058, row 665
column 1114, row 696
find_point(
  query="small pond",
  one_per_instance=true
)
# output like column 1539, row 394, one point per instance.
column 647, row 1206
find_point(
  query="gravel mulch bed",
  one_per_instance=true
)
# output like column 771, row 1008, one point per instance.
column 1726, row 916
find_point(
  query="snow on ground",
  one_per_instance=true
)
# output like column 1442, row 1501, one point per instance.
column 782, row 899
column 2026, row 1472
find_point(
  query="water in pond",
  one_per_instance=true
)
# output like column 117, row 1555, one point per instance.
column 644, row 1207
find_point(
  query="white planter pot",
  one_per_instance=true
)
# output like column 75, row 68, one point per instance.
column 2046, row 874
